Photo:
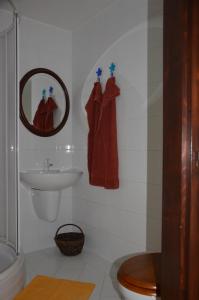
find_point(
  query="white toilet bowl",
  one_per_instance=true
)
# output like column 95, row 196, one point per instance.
column 138, row 277
column 130, row 295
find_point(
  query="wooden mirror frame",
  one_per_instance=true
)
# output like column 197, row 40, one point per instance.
column 23, row 118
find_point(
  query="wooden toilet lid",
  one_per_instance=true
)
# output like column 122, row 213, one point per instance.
column 141, row 274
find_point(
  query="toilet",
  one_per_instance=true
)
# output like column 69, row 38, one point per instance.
column 138, row 277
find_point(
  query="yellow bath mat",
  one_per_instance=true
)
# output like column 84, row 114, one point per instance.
column 46, row 288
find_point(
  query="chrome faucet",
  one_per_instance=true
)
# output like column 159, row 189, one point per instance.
column 47, row 164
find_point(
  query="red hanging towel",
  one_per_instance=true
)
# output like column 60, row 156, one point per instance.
column 40, row 116
column 50, row 107
column 105, row 152
column 93, row 110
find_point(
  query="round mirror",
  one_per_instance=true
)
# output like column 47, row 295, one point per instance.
column 44, row 102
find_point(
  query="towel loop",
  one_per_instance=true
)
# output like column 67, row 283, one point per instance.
column 112, row 69
column 99, row 73
column 43, row 93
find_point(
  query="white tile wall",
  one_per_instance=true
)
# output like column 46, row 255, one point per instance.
column 127, row 220
column 154, row 133
column 116, row 222
column 51, row 48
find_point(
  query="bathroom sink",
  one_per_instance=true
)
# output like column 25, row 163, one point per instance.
column 52, row 180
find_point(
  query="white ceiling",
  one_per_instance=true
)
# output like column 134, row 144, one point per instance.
column 66, row 14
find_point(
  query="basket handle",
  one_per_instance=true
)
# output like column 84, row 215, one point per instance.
column 68, row 225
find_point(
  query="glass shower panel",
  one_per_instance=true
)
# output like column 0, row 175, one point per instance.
column 3, row 175
column 12, row 172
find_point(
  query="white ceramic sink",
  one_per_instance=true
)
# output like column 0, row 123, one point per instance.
column 52, row 180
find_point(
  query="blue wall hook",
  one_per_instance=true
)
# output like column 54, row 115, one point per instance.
column 50, row 90
column 43, row 93
column 99, row 73
column 112, row 68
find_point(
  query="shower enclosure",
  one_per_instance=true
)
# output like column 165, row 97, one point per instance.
column 11, row 260
column 8, row 137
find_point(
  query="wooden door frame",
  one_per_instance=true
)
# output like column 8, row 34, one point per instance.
column 180, row 213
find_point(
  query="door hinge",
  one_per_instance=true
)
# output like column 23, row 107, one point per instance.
column 195, row 158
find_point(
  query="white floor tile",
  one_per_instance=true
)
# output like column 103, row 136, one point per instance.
column 96, row 276
column 86, row 267
column 108, row 288
column 111, row 298
column 69, row 273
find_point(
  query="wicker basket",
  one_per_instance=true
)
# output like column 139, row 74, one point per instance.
column 69, row 243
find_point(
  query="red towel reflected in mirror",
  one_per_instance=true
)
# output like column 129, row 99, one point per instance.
column 40, row 116
column 44, row 116
column 49, row 120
